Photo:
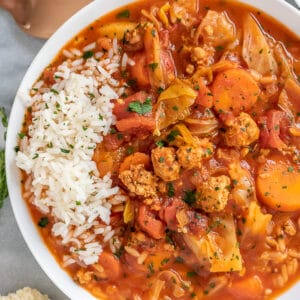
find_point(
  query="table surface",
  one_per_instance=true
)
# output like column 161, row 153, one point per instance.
column 18, row 267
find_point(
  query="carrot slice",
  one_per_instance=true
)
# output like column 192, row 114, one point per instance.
column 234, row 90
column 278, row 184
column 248, row 288
column 111, row 265
column 135, row 159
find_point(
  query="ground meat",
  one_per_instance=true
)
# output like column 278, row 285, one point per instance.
column 139, row 181
column 212, row 196
column 191, row 157
column 203, row 56
column 216, row 29
column 83, row 276
column 165, row 164
column 241, row 131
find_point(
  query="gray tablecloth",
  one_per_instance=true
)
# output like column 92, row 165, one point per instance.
column 18, row 268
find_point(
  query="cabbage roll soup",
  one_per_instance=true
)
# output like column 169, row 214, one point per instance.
column 160, row 153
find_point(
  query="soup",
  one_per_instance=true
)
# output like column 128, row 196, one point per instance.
column 160, row 153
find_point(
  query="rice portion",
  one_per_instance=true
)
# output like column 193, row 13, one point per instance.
column 68, row 120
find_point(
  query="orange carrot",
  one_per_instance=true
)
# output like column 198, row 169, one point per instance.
column 111, row 265
column 135, row 159
column 137, row 123
column 140, row 71
column 149, row 224
column 278, row 184
column 234, row 90
column 249, row 288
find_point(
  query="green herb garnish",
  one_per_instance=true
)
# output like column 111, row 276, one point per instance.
column 189, row 197
column 140, row 108
column 87, row 54
column 123, row 14
column 43, row 222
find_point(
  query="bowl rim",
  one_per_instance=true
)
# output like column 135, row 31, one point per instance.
column 278, row 9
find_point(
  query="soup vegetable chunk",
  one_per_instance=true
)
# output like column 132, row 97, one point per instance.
column 160, row 153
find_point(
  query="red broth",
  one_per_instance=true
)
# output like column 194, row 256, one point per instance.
column 214, row 187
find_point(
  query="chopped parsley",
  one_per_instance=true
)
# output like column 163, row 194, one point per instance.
column 87, row 54
column 161, row 159
column 164, row 261
column 172, row 135
column 140, row 108
column 43, row 222
column 189, row 197
column 171, row 190
column 36, row 155
column 64, row 150
column 54, row 91
column 21, row 135
column 129, row 150
column 219, row 48
column 119, row 252
column 123, row 14
column 179, row 260
column 153, row 66
column 160, row 144
column 191, row 274
column 151, row 268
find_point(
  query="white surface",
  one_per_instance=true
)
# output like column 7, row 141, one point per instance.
column 298, row 2
column 277, row 8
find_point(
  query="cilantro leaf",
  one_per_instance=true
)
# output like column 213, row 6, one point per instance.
column 140, row 108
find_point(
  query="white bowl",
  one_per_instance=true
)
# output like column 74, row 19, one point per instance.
column 279, row 9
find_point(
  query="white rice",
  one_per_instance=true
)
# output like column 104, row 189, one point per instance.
column 67, row 124
column 89, row 47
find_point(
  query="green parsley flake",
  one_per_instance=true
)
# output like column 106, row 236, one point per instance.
column 123, row 14
column 43, row 222
column 87, row 54
column 64, row 150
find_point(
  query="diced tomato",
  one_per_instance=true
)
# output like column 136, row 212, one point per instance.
column 168, row 66
column 120, row 109
column 168, row 214
column 164, row 38
column 198, row 223
column 48, row 76
column 140, row 70
column 205, row 97
column 270, row 129
column 136, row 123
column 116, row 219
column 113, row 141
column 149, row 224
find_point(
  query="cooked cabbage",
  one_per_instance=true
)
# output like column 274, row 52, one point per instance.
column 219, row 247
column 173, row 104
column 256, row 51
